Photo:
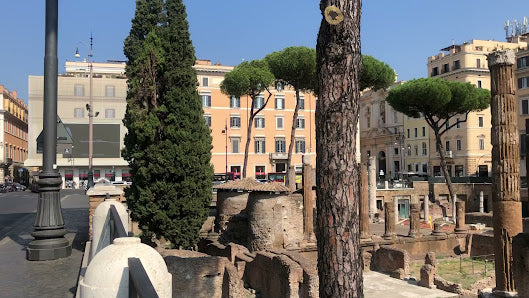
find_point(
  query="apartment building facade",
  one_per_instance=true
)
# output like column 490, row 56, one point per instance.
column 382, row 134
column 227, row 117
column 522, row 93
column 13, row 137
column 109, row 92
column 468, row 145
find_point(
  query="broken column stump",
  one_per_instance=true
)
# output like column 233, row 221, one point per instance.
column 460, row 214
column 389, row 221
column 415, row 210
column 507, row 219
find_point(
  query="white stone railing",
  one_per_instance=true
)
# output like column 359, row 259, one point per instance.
column 116, row 265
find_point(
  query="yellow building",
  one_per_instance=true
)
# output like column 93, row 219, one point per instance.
column 522, row 92
column 228, row 119
column 416, row 145
column 13, row 137
column 468, row 145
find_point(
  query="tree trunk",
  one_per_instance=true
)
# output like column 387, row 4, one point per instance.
column 292, row 141
column 248, row 137
column 337, row 175
column 439, row 145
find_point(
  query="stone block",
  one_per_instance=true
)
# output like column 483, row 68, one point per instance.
column 448, row 286
column 389, row 259
column 427, row 276
column 430, row 259
column 520, row 252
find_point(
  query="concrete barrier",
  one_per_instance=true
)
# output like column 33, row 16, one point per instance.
column 101, row 227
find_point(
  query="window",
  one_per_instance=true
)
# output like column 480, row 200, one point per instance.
column 459, row 170
column 368, row 117
column 280, row 145
column 523, row 82
column 446, row 68
column 396, row 151
column 481, row 144
column 435, row 71
column 235, row 121
column 300, row 123
column 479, row 84
column 457, row 64
column 78, row 113
column 110, row 113
column 280, row 103
column 525, row 106
column 423, row 131
column 205, row 81
column 459, row 145
column 382, row 108
column 478, row 63
column 259, row 122
column 235, row 145
column 258, row 102
column 522, row 62
column 279, row 122
column 409, row 150
column 396, row 165
column 206, row 100
column 260, row 172
column 110, row 91
column 395, row 117
column 78, row 90
column 207, row 118
column 301, row 102
column 424, row 149
column 447, row 145
column 235, row 102
column 415, row 132
column 480, row 121
column 260, row 146
column 408, row 131
column 458, row 124
column 424, row 167
column 300, row 146
column 416, row 167
column 416, row 149
column 522, row 145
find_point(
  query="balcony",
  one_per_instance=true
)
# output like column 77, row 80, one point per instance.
column 279, row 156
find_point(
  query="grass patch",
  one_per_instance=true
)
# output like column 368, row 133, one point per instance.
column 465, row 272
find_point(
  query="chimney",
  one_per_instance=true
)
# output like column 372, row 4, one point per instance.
column 14, row 94
column 1, row 88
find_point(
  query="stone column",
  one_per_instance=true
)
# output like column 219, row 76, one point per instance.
column 460, row 214
column 389, row 220
column 415, row 210
column 507, row 219
column 372, row 176
column 396, row 209
column 437, row 230
column 481, row 202
column 426, row 206
column 364, row 204
column 308, row 204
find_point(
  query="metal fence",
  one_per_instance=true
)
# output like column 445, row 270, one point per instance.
column 476, row 264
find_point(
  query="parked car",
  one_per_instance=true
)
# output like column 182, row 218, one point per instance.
column 19, row 187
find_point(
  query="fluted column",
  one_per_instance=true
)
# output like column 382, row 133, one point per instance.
column 507, row 219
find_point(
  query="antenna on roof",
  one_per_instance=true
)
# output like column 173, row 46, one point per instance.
column 506, row 27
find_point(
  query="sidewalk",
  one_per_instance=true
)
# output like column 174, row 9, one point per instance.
column 58, row 278
column 378, row 285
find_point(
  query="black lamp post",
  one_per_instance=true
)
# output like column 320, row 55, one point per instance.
column 49, row 242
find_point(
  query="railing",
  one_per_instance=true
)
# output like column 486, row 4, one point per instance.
column 140, row 284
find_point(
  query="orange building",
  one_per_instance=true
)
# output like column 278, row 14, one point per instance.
column 228, row 119
column 14, row 137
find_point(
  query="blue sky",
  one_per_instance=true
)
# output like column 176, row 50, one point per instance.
column 401, row 33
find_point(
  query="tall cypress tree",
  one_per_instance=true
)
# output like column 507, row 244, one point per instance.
column 168, row 145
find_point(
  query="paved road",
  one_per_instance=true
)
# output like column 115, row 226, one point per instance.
column 22, row 278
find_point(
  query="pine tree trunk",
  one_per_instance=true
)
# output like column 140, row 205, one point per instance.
column 439, row 145
column 337, row 174
column 292, row 141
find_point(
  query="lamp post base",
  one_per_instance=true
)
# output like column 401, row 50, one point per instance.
column 49, row 231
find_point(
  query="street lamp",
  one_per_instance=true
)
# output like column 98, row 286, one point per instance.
column 49, row 242
column 91, row 114
column 225, row 131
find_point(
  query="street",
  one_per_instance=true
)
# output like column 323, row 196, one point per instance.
column 22, row 278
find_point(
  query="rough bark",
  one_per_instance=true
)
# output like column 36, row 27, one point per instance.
column 338, row 65
column 507, row 219
column 289, row 183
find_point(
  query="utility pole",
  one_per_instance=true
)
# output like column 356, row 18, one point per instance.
column 90, row 108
